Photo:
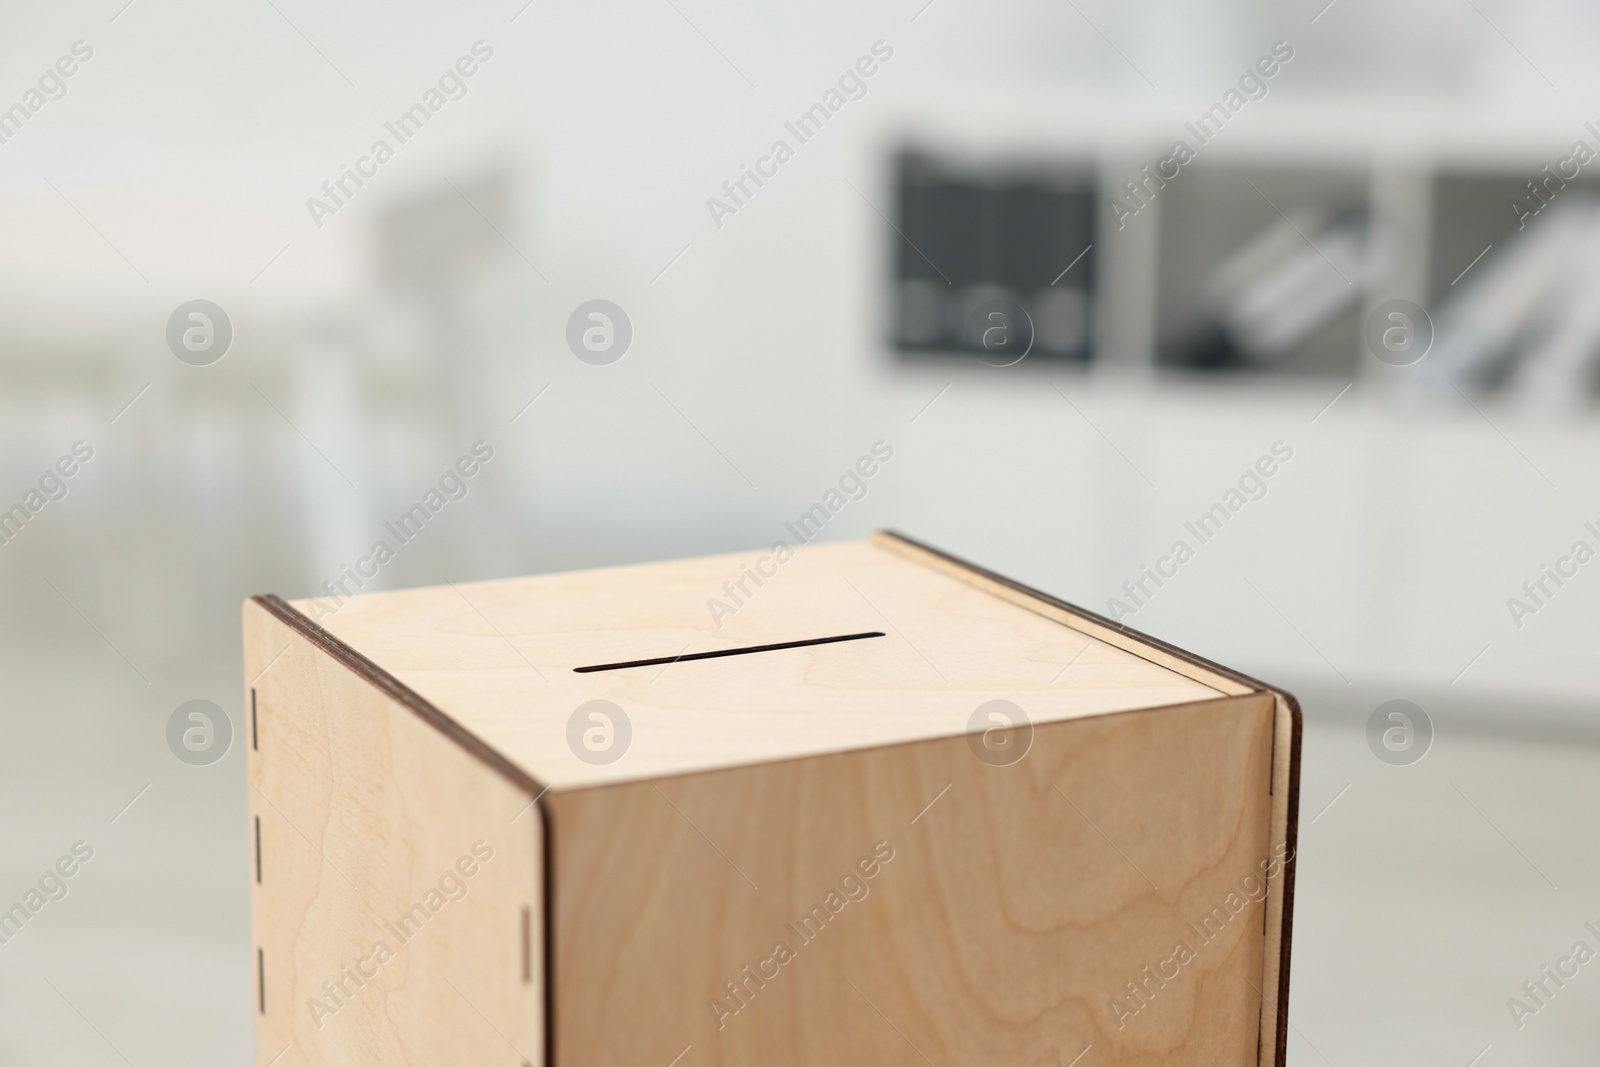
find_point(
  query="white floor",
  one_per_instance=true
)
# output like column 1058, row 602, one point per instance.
column 1428, row 894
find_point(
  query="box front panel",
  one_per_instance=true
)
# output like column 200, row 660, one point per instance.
column 1095, row 890
column 396, row 885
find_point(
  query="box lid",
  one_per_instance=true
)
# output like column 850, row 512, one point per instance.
column 877, row 642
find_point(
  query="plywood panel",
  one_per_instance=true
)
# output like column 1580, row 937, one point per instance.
column 395, row 865
column 756, row 784
column 1141, row 645
column 1018, row 902
column 500, row 657
column 1274, row 984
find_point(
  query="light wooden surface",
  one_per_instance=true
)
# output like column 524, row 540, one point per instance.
column 499, row 658
column 1098, row 628
column 1015, row 909
column 1285, row 756
column 1020, row 903
column 364, row 809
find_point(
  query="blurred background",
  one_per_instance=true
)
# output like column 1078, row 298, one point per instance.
column 1166, row 317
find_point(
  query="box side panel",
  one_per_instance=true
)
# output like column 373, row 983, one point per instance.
column 1103, row 890
column 1286, row 753
column 397, row 890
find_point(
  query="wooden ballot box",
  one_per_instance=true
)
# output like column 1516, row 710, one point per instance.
column 854, row 803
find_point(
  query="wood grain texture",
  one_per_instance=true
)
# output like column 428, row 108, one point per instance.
column 499, row 657
column 1013, row 923
column 1102, row 629
column 1014, row 909
column 376, row 828
column 1274, row 986
column 1285, row 751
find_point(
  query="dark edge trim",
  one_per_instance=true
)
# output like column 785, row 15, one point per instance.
column 1292, row 808
column 1292, row 837
column 398, row 691
column 549, row 946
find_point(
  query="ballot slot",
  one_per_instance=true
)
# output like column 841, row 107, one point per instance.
column 720, row 653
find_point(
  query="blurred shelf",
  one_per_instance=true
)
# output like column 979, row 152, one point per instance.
column 1261, row 249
